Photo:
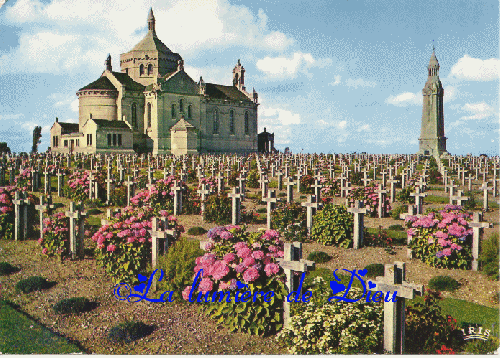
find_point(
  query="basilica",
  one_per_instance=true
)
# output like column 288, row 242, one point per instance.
column 152, row 105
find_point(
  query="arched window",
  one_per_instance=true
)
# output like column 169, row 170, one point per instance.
column 172, row 111
column 181, row 106
column 141, row 70
column 216, row 121
column 247, row 127
column 231, row 121
column 149, row 115
column 134, row 115
column 150, row 70
column 189, row 111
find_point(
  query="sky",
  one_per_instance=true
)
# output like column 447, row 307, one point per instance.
column 333, row 76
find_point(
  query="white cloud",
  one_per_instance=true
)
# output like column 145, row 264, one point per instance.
column 285, row 67
column 450, row 93
column 211, row 74
column 8, row 117
column 74, row 105
column 359, row 83
column 405, row 99
column 342, row 124
column 336, row 82
column 475, row 69
column 278, row 116
column 479, row 110
column 67, row 34
column 364, row 127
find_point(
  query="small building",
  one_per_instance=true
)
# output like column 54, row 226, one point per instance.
column 266, row 142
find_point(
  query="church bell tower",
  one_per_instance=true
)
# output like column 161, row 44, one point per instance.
column 432, row 140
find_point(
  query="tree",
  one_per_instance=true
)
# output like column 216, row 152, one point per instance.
column 37, row 134
column 4, row 148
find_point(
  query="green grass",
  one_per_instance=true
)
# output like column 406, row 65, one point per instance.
column 19, row 334
column 468, row 312
column 398, row 236
column 93, row 220
column 436, row 199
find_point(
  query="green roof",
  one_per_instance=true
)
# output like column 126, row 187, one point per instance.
column 225, row 92
column 102, row 83
column 69, row 127
column 104, row 123
column 128, row 82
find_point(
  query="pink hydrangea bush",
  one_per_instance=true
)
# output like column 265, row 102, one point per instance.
column 55, row 240
column 123, row 248
column 370, row 197
column 232, row 255
column 24, row 180
column 7, row 211
column 77, row 187
column 161, row 196
column 442, row 239
column 331, row 188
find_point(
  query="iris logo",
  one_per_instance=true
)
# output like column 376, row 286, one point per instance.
column 472, row 334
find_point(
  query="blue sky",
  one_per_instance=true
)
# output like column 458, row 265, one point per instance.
column 332, row 75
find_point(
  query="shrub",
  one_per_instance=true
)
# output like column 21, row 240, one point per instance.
column 261, row 210
column 306, row 183
column 374, row 270
column 404, row 195
column 7, row 211
column 32, row 283
column 489, row 256
column 330, row 187
column 77, row 186
column 178, row 265
column 333, row 226
column 24, row 180
column 119, row 196
column 427, row 329
column 319, row 257
column 218, row 209
column 370, row 197
column 334, row 328
column 472, row 202
column 443, row 283
column 129, row 331
column 196, row 231
column 253, row 179
column 442, row 240
column 56, row 236
column 234, row 255
column 398, row 211
column 290, row 221
column 479, row 346
column 73, row 305
column 6, row 268
column 124, row 247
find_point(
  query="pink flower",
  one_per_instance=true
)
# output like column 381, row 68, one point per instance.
column 109, row 235
column 250, row 275
column 219, row 270
column 258, row 255
column 40, row 241
column 142, row 240
column 44, row 251
column 186, row 292
column 226, row 235
column 244, row 253
column 111, row 248
column 209, row 246
column 206, row 285
column 172, row 218
column 131, row 239
column 447, row 252
column 240, row 268
column 271, row 269
column 230, row 257
column 248, row 261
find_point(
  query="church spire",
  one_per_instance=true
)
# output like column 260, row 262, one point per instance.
column 433, row 68
column 151, row 21
column 108, row 63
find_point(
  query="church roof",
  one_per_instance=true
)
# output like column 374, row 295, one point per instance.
column 151, row 42
column 225, row 92
column 69, row 127
column 102, row 83
column 182, row 124
column 128, row 82
column 104, row 123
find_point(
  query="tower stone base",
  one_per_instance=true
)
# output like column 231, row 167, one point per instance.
column 432, row 146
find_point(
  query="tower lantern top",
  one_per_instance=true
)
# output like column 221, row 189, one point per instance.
column 151, row 21
column 433, row 67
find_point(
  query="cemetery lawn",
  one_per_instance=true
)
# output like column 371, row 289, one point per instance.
column 19, row 334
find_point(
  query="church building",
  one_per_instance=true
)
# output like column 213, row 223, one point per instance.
column 432, row 140
column 152, row 105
